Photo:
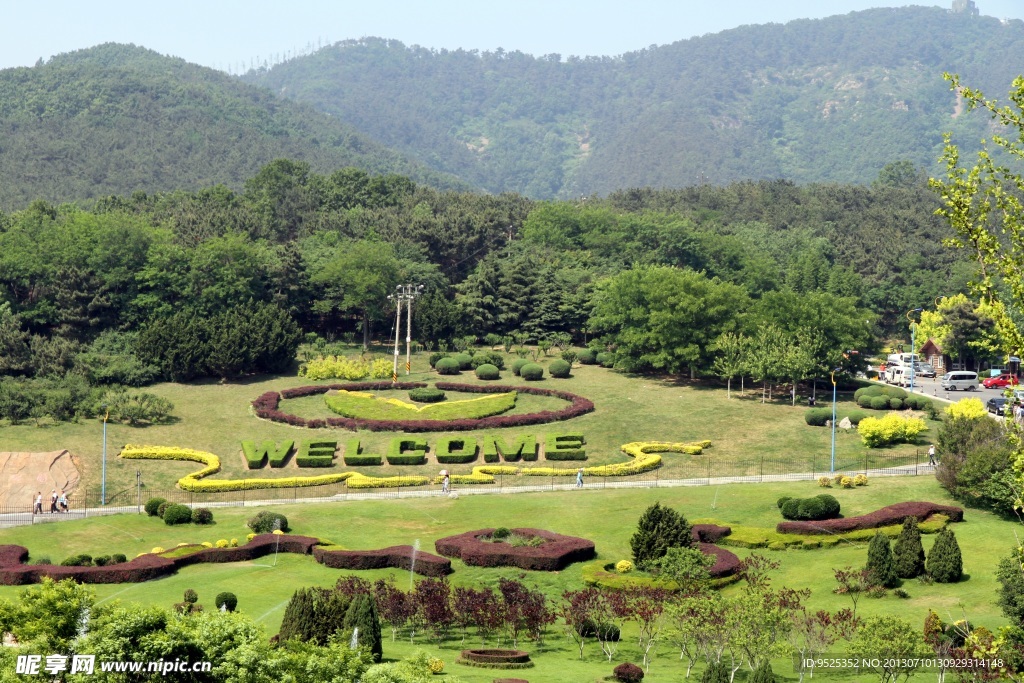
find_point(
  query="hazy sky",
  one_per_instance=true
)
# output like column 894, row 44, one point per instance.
column 227, row 34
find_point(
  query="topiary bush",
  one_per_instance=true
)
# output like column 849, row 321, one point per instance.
column 823, row 506
column 817, row 417
column 627, row 672
column 177, row 514
column 896, row 404
column 560, row 369
column 856, row 416
column 264, row 522
column 782, row 501
column 161, row 508
column 426, row 395
column 77, row 561
column 531, row 372
column 118, row 558
column 448, row 366
column 659, row 529
column 518, row 364
column 487, row 372
column 908, row 553
column 464, row 360
column 879, row 403
column 152, row 506
column 191, row 597
column 881, row 569
column 587, row 357
column 436, row 356
column 226, row 600
column 945, row 563
column 202, row 516
column 489, row 358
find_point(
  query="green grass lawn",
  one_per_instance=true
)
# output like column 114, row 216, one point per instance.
column 748, row 437
column 608, row 517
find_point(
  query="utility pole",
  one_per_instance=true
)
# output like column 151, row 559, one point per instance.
column 397, row 296
column 411, row 292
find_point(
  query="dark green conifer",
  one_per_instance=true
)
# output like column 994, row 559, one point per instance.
column 362, row 614
column 908, row 553
column 763, row 673
column 880, row 564
column 715, row 673
column 945, row 563
column 659, row 529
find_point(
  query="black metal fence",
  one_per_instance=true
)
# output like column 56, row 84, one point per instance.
column 700, row 470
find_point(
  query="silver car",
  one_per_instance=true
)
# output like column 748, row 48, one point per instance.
column 924, row 370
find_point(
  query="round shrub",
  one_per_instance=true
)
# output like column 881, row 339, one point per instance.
column 817, row 417
column 487, row 371
column 226, row 600
column 856, row 416
column 518, row 365
column 879, row 402
column 829, row 505
column 266, row 521
column 191, row 597
column 77, row 561
column 627, row 672
column 177, row 514
column 153, row 506
column 896, row 403
column 873, row 390
column 202, row 516
column 810, row 508
column 489, row 357
column 606, row 359
column 447, row 366
column 426, row 395
column 782, row 501
column 624, row 566
column 161, row 508
column 101, row 561
column 586, row 357
column 791, row 509
column 118, row 558
column 464, row 360
column 501, row 532
column 531, row 372
column 436, row 356
column 865, row 401
column 894, row 392
column 559, row 369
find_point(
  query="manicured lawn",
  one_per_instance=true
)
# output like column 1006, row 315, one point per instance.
column 608, row 517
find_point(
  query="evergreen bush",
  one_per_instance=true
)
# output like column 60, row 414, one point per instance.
column 587, row 357
column 191, row 597
column 763, row 673
column 152, row 506
column 518, row 365
column 659, row 529
column 436, row 356
column 447, row 366
column 559, row 369
column 177, row 514
column 362, row 614
column 817, row 417
column 880, row 566
column 1011, row 589
column 426, row 395
column 945, row 563
column 606, row 359
column 226, row 600
column 161, row 508
column 880, row 402
column 531, row 372
column 464, row 360
column 264, row 522
column 856, row 416
column 488, row 372
column 488, row 358
column 908, row 553
column 865, row 401
column 896, row 403
column 202, row 516
column 717, row 672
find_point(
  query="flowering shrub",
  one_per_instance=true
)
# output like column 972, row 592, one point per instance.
column 435, row 665
column 222, row 543
column 892, row 428
column 967, row 409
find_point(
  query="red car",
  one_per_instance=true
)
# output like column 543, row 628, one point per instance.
column 1004, row 380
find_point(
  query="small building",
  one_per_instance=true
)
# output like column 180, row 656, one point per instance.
column 931, row 353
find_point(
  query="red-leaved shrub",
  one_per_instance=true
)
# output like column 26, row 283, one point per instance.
column 887, row 516
column 555, row 553
column 399, row 557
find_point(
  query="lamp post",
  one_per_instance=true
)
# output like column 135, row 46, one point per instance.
column 411, row 292
column 103, row 479
column 832, row 469
column 913, row 348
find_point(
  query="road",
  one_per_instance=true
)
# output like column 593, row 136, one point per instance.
column 932, row 387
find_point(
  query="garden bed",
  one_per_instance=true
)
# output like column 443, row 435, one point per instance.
column 555, row 553
column 494, row 658
column 399, row 557
column 887, row 516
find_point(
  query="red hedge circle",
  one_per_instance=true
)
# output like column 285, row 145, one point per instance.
column 266, row 406
column 555, row 553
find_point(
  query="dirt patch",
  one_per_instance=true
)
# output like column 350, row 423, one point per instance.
column 22, row 474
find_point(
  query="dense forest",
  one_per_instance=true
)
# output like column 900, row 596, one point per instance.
column 831, row 100
column 116, row 118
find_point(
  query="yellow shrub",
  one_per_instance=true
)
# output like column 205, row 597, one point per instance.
column 335, row 367
column 825, row 482
column 847, row 483
column 623, row 566
column 157, row 550
column 381, row 368
column 206, row 544
column 222, row 543
column 967, row 408
column 435, row 665
column 860, row 480
column 233, row 543
column 251, row 536
column 278, row 532
column 892, row 428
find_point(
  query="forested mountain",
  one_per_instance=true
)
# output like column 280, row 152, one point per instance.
column 118, row 119
column 830, row 100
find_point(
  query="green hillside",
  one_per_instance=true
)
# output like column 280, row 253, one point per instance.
column 115, row 119
column 830, row 100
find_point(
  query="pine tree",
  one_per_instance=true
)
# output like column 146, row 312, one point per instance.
column 945, row 563
column 880, row 562
column 659, row 529
column 362, row 614
column 763, row 673
column 331, row 612
column 908, row 553
column 299, row 619
column 715, row 673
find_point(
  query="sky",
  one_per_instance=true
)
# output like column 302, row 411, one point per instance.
column 230, row 35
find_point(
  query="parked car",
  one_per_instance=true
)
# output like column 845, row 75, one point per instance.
column 1000, row 381
column 924, row 370
column 996, row 405
column 960, row 381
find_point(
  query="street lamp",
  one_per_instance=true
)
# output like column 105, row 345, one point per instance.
column 833, row 466
column 913, row 348
column 103, row 481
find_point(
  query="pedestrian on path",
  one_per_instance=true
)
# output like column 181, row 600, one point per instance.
column 63, row 502
column 38, row 508
column 931, row 455
column 446, row 483
column 579, row 478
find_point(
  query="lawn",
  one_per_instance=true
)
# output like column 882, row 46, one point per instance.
column 748, row 436
column 608, row 517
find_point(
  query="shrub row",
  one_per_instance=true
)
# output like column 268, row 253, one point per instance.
column 401, row 450
column 455, row 450
column 554, row 554
column 354, row 456
column 496, row 656
column 564, row 447
column 399, row 557
column 366, row 406
column 316, row 454
column 709, row 533
column 892, row 514
column 496, row 449
column 726, row 562
column 266, row 407
column 819, row 507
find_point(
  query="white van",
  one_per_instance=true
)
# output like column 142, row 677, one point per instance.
column 960, row 381
column 894, row 375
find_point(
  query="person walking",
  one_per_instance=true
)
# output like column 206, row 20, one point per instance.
column 579, row 478
column 37, row 509
column 446, row 483
column 62, row 502
column 931, row 455
column 53, row 501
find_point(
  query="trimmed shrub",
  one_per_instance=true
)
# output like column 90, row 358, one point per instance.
column 464, row 360
column 101, row 561
column 896, row 403
column 226, row 600
column 586, row 357
column 564, row 447
column 887, row 516
column 77, row 561
column 569, row 356
column 455, row 450
column 489, row 358
column 791, row 508
column 399, row 557
column 873, row 390
column 118, row 558
column 177, row 514
column 659, row 529
column 817, row 417
column 560, row 369
column 856, row 416
column 362, row 615
column 202, row 516
column 153, row 506
column 627, row 672
column 447, row 366
column 354, row 456
column 782, row 501
column 879, row 403
column 162, row 508
column 436, row 356
column 606, row 359
column 881, row 569
column 945, row 563
column 487, row 371
column 518, row 364
column 426, row 395
column 316, row 454
column 265, row 521
column 823, row 506
column 554, row 554
column 531, row 372
column 191, row 597
column 908, row 553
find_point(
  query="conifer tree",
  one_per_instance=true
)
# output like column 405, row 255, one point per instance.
column 299, row 619
column 880, row 564
column 716, row 672
column 945, row 563
column 763, row 673
column 659, row 529
column 908, row 553
column 362, row 614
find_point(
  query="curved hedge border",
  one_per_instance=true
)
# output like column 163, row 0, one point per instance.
column 360, row 405
column 892, row 514
column 398, row 556
column 556, row 553
column 495, row 656
column 266, row 406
